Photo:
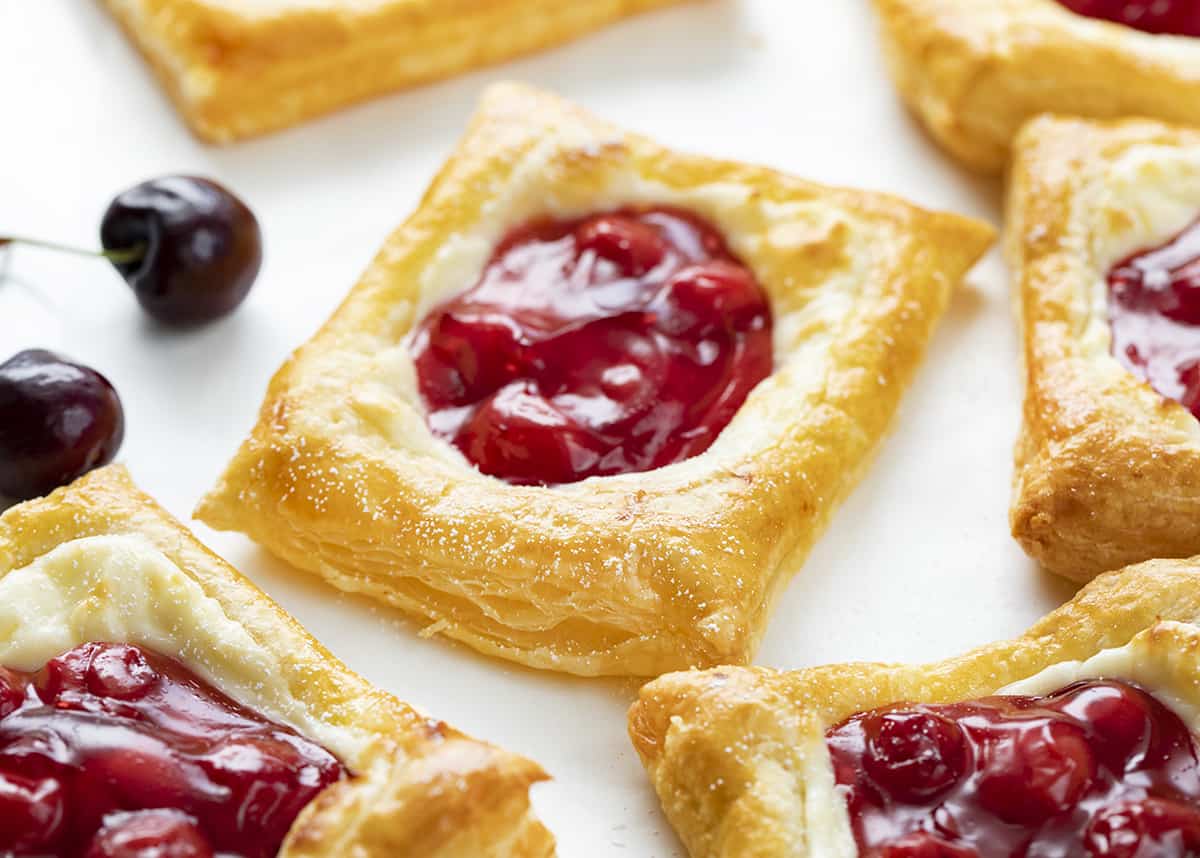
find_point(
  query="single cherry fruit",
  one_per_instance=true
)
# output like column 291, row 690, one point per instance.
column 913, row 755
column 149, row 834
column 1034, row 770
column 58, row 420
column 1118, row 718
column 634, row 246
column 201, row 247
column 1154, row 826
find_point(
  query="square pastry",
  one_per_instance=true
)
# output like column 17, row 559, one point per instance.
column 236, row 68
column 153, row 699
column 1076, row 739
column 1104, row 246
column 975, row 70
column 609, row 453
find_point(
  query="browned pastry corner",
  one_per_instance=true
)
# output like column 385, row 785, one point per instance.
column 974, row 71
column 128, row 572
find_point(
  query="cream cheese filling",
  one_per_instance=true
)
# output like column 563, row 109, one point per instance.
column 121, row 589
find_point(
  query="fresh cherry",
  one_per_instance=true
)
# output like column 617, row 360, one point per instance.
column 1178, row 17
column 149, row 834
column 913, row 755
column 188, row 247
column 1159, row 827
column 58, row 420
column 202, row 247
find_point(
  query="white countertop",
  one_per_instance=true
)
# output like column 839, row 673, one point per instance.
column 917, row 565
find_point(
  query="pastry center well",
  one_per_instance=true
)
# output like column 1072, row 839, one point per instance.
column 1098, row 768
column 1154, row 309
column 1175, row 17
column 112, row 750
column 611, row 344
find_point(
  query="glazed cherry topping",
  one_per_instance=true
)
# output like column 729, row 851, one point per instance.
column 612, row 344
column 114, row 751
column 200, row 247
column 1176, row 17
column 1154, row 310
column 58, row 420
column 1099, row 768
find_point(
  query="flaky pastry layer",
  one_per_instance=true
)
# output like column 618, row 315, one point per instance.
column 238, row 68
column 1105, row 466
column 633, row 574
column 738, row 755
column 420, row 788
column 975, row 70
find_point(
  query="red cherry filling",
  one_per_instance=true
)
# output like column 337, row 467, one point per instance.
column 612, row 344
column 1177, row 17
column 1154, row 310
column 113, row 751
column 1096, row 769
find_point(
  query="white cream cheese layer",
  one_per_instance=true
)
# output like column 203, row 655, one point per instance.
column 121, row 589
column 1148, row 195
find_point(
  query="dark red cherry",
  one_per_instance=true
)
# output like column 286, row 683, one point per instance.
column 1156, row 827
column 922, row 844
column 520, row 435
column 634, row 246
column 120, row 672
column 1034, row 770
column 1119, row 720
column 714, row 295
column 201, row 247
column 913, row 755
column 58, row 420
column 149, row 834
column 470, row 357
column 32, row 814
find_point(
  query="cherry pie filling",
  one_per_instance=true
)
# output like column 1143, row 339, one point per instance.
column 1174, row 17
column 611, row 344
column 114, row 751
column 1099, row 768
column 1154, row 310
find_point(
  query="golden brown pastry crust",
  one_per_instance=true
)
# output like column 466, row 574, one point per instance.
column 635, row 574
column 238, row 68
column 738, row 758
column 1105, row 466
column 975, row 70
column 420, row 789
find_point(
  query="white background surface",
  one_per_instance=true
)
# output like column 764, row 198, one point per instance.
column 917, row 565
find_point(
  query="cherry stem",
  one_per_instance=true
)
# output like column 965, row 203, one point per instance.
column 117, row 257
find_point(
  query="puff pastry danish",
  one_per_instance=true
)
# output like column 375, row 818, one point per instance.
column 1105, row 464
column 237, row 69
column 99, row 561
column 975, row 70
column 739, row 756
column 630, row 574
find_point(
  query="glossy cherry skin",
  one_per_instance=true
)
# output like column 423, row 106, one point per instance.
column 58, row 420
column 1175, row 17
column 612, row 344
column 149, row 834
column 1099, row 768
column 117, row 752
column 202, row 247
column 1154, row 312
